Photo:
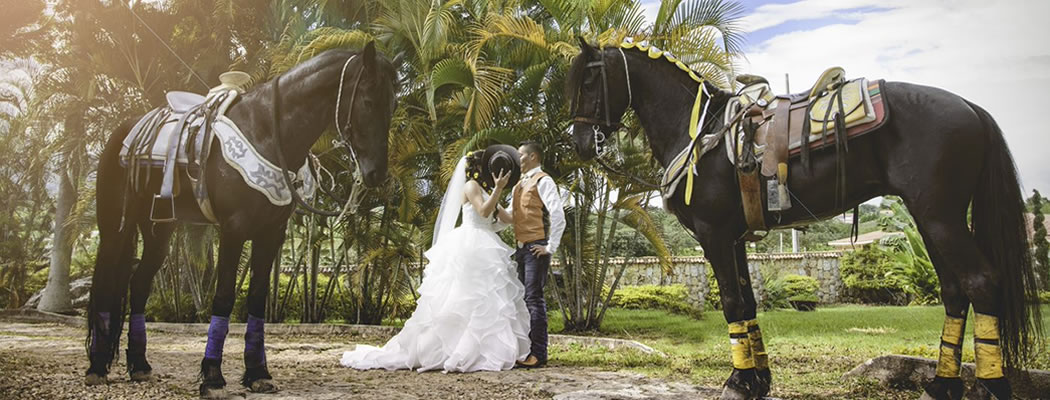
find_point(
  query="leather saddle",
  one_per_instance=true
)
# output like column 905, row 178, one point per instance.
column 177, row 137
column 172, row 138
column 776, row 127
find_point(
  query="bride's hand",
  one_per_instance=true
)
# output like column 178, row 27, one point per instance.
column 501, row 180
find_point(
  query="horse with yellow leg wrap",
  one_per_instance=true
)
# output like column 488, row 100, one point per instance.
column 943, row 155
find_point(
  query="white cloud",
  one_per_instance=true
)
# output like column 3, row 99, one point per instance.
column 993, row 53
column 651, row 8
column 771, row 15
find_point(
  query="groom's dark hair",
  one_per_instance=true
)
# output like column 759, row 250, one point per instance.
column 532, row 146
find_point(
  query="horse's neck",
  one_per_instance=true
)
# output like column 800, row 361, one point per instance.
column 663, row 105
column 306, row 109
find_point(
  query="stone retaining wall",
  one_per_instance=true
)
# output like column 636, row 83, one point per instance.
column 693, row 272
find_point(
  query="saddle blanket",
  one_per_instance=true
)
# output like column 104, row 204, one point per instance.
column 148, row 143
column 865, row 111
column 876, row 115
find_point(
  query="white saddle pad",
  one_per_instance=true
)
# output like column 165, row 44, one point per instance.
column 258, row 172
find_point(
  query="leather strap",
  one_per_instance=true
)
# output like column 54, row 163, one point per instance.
column 751, row 197
column 777, row 149
column 170, row 158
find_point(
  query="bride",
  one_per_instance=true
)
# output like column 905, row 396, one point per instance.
column 471, row 313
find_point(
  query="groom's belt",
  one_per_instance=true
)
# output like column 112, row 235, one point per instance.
column 522, row 244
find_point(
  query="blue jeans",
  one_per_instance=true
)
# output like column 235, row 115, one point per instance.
column 532, row 272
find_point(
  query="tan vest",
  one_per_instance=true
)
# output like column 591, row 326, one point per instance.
column 529, row 210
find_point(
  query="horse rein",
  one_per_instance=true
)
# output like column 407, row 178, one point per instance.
column 349, row 114
column 355, row 197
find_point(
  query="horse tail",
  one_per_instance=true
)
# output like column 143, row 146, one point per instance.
column 1000, row 230
column 112, row 271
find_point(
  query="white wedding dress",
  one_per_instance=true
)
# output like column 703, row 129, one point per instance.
column 471, row 313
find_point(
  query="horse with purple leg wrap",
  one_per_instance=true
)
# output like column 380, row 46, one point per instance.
column 281, row 119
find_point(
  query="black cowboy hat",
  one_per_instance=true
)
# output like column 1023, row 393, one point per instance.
column 498, row 158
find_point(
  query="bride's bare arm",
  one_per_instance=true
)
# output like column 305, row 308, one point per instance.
column 485, row 207
column 503, row 215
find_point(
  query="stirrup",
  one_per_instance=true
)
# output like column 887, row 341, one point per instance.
column 164, row 218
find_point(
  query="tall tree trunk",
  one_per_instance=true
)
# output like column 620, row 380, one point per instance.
column 56, row 297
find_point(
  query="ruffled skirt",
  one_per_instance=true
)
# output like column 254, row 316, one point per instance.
column 470, row 315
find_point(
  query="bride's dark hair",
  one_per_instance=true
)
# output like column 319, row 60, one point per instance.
column 475, row 159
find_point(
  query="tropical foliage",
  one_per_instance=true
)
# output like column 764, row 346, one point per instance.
column 471, row 73
column 898, row 269
column 1042, row 245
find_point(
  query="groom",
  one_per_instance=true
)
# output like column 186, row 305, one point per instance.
column 538, row 224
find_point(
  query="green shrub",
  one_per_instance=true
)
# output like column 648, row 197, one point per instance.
column 780, row 291
column 805, row 297
column 672, row 298
column 713, row 298
column 870, row 276
column 775, row 294
column 159, row 308
column 800, row 285
column 1044, row 297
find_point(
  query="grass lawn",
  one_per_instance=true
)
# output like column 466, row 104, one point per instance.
column 809, row 351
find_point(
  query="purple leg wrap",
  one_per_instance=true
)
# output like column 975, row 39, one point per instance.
column 216, row 337
column 137, row 334
column 254, row 350
column 101, row 332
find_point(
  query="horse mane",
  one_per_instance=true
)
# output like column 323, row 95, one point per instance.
column 574, row 75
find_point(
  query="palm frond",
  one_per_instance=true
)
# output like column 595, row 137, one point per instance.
column 639, row 219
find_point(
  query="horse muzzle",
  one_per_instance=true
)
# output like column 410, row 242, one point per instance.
column 583, row 142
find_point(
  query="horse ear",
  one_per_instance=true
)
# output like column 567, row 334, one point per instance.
column 368, row 55
column 585, row 49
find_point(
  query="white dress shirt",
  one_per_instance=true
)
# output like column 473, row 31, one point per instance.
column 548, row 191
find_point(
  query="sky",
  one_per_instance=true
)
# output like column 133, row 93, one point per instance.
column 994, row 53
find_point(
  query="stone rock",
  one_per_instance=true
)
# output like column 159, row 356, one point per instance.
column 79, row 290
column 907, row 372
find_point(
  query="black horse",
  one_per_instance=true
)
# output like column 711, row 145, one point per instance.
column 938, row 152
column 307, row 107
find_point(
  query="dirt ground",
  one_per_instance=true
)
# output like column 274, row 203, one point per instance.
column 47, row 361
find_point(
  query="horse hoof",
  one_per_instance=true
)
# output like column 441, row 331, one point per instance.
column 212, row 393
column 729, row 393
column 95, row 379
column 142, row 376
column 263, row 386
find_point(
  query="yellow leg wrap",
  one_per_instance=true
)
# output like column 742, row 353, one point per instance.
column 986, row 346
column 758, row 348
column 951, row 347
column 740, row 345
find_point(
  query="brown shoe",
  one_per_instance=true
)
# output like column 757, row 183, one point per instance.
column 530, row 362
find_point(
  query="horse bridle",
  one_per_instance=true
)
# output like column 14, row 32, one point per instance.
column 349, row 113
column 603, row 102
column 597, row 124
column 354, row 201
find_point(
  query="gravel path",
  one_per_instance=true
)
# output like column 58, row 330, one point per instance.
column 47, row 361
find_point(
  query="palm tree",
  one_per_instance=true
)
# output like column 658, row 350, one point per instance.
column 23, row 139
column 115, row 63
column 21, row 26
